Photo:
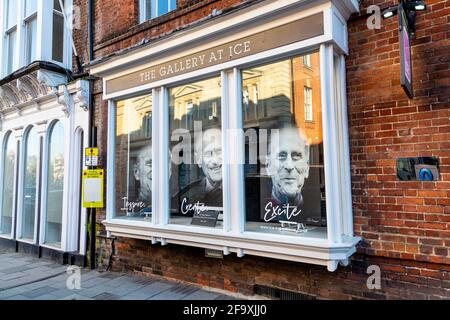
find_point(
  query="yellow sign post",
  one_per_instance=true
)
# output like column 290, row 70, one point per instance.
column 93, row 183
column 91, row 157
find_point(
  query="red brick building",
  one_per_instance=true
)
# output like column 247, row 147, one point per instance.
column 352, row 197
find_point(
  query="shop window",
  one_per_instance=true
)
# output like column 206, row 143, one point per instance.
column 9, row 160
column 285, row 187
column 29, row 200
column 150, row 9
column 55, row 185
column 133, row 145
column 196, row 154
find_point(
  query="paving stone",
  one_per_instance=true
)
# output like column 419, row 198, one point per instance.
column 24, row 278
column 149, row 291
column 202, row 295
column 106, row 296
column 76, row 297
column 12, row 276
column 38, row 292
column 176, row 293
column 18, row 297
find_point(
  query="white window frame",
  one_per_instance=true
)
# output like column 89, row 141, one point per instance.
column 8, row 134
column 21, row 177
column 44, row 28
column 154, row 9
column 26, row 21
column 307, row 60
column 339, row 242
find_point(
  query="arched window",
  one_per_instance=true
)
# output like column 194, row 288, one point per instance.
column 55, row 185
column 9, row 159
column 29, row 200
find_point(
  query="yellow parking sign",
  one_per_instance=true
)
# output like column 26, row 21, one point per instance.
column 91, row 157
column 93, row 184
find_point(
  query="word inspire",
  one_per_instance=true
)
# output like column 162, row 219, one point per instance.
column 131, row 206
column 273, row 212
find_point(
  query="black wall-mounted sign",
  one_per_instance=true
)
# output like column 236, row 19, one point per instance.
column 418, row 169
column 406, row 76
column 205, row 218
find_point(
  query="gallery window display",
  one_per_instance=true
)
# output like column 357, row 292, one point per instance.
column 9, row 159
column 254, row 127
column 285, row 187
column 196, row 154
column 134, row 158
column 55, row 185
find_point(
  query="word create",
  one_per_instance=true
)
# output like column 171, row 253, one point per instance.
column 188, row 207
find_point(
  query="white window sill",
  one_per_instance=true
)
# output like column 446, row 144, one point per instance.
column 306, row 249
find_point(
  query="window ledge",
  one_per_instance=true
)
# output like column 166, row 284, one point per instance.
column 305, row 250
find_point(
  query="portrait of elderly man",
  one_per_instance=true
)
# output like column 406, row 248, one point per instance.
column 288, row 168
column 142, row 173
column 206, row 191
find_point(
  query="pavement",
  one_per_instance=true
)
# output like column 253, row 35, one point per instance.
column 27, row 278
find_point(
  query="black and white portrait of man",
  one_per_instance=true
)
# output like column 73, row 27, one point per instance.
column 288, row 167
column 139, row 204
column 206, row 192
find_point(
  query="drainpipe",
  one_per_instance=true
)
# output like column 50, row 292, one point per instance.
column 92, row 129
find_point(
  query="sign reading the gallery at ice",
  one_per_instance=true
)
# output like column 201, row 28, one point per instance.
column 287, row 34
column 205, row 218
column 91, row 157
column 406, row 78
column 93, row 188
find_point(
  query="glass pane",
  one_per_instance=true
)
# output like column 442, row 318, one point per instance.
column 58, row 37
column 196, row 144
column 148, row 9
column 134, row 158
column 55, row 185
column 11, row 51
column 30, row 7
column 163, row 7
column 56, row 5
column 29, row 203
column 8, row 185
column 31, row 28
column 173, row 4
column 284, row 169
column 12, row 13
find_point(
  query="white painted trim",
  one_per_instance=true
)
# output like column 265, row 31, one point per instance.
column 319, row 252
column 345, row 150
column 226, row 185
column 111, row 161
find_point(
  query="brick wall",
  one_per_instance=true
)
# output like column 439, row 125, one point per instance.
column 407, row 220
column 405, row 225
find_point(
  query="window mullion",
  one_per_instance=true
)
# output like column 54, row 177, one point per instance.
column 164, row 156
